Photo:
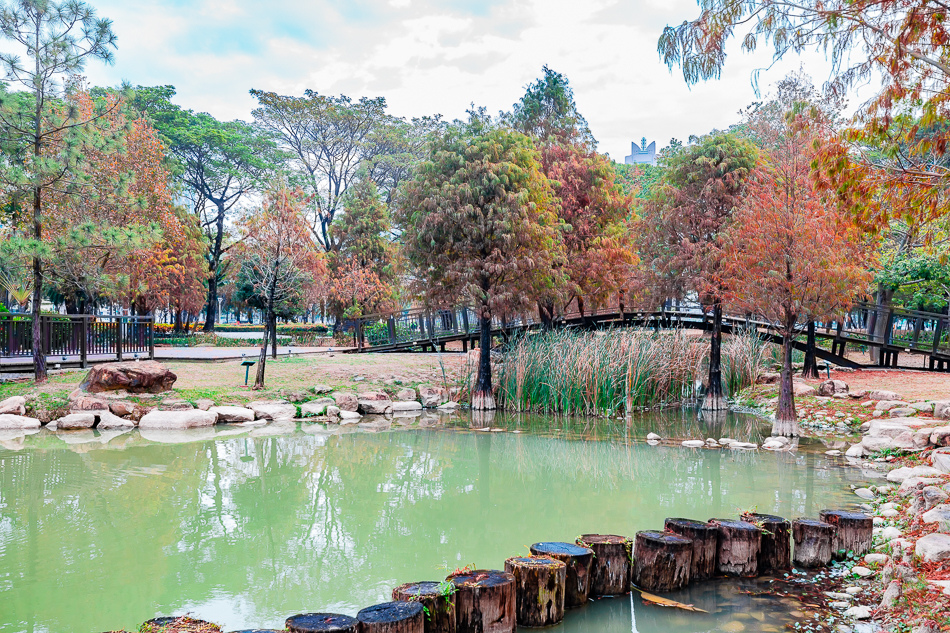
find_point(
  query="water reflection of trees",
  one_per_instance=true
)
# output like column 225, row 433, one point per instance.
column 265, row 527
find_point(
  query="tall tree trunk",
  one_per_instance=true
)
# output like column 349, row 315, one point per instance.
column 546, row 312
column 714, row 400
column 273, row 333
column 215, row 263
column 39, row 356
column 261, row 363
column 786, row 420
column 810, row 369
column 483, row 399
column 877, row 323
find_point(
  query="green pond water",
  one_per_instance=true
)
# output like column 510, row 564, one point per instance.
column 100, row 532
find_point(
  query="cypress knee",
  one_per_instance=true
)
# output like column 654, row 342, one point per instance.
column 813, row 542
column 578, row 560
column 610, row 572
column 484, row 601
column 738, row 548
column 661, row 561
column 705, row 537
column 539, row 589
column 392, row 617
column 439, row 600
column 775, row 554
column 322, row 623
column 852, row 531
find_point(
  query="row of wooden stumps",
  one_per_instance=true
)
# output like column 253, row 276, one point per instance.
column 535, row 590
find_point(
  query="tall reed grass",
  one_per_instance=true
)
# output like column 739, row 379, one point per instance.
column 618, row 371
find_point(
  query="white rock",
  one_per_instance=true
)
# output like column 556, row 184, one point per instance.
column 855, row 450
column 891, row 533
column 861, row 571
column 881, row 394
column 833, row 452
column 273, row 409
column 899, row 475
column 449, row 406
column 406, row 405
column 204, row 404
column 653, row 437
column 933, row 547
column 887, row 405
column 889, row 513
column 864, row 493
column 853, row 590
column 888, row 428
column 234, row 414
column 15, row 405
column 694, row 443
column 178, row 419
column 726, row 440
column 877, row 521
column 938, row 514
column 10, row 421
column 940, row 459
column 317, row 407
column 911, row 484
column 942, row 409
column 109, row 421
column 922, row 406
column 75, row 421
column 859, row 613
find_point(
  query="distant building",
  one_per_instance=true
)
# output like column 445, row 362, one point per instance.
column 642, row 154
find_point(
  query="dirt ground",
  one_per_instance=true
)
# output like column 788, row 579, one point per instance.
column 911, row 385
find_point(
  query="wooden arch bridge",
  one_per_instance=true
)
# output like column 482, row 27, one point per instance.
column 895, row 332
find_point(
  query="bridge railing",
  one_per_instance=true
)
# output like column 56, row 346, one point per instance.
column 78, row 337
column 864, row 324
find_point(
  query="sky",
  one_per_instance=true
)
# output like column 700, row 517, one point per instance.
column 434, row 57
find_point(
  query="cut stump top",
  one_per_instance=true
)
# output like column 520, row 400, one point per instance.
column 482, row 578
column 321, row 623
column 389, row 612
column 563, row 549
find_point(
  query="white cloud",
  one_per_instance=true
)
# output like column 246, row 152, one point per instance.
column 433, row 56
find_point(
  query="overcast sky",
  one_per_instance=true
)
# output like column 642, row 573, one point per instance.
column 433, row 56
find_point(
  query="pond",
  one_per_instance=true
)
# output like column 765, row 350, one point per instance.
column 102, row 532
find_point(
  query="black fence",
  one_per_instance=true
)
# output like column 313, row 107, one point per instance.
column 78, row 338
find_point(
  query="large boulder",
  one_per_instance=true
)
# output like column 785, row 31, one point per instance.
column 941, row 460
column 406, row 405
column 233, row 414
column 899, row 475
column 175, row 404
column 883, row 394
column 13, row 406
column 831, row 387
column 940, row 436
column 887, row 405
column 933, row 547
column 134, row 377
column 82, row 401
column 273, row 409
column 939, row 514
column 316, row 407
column 10, row 421
column 875, row 444
column 942, row 409
column 73, row 421
column 432, row 397
column 375, row 403
column 887, row 428
column 802, row 389
column 406, row 394
column 108, row 420
column 178, row 419
column 346, row 401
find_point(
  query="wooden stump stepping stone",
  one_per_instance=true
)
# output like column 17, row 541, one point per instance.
column 321, row 623
column 392, row 617
column 661, row 561
column 439, row 600
column 610, row 572
column 775, row 554
column 705, row 537
column 852, row 531
column 257, row 631
column 539, row 589
column 813, row 542
column 484, row 601
column 738, row 548
column 179, row 624
column 578, row 560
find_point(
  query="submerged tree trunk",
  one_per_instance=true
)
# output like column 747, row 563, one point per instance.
column 786, row 420
column 482, row 398
column 715, row 400
column 810, row 368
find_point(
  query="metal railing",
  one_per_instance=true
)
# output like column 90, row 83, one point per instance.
column 78, row 338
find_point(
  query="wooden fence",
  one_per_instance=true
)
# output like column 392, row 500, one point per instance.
column 77, row 339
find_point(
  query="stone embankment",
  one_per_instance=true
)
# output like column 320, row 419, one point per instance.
column 120, row 396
